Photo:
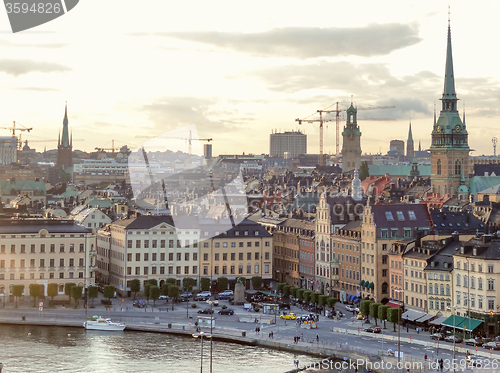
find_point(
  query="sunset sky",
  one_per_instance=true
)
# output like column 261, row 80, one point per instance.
column 238, row 70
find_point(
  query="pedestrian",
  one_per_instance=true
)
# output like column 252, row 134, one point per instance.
column 317, row 337
column 425, row 357
column 302, row 336
column 269, row 336
column 272, row 335
column 408, row 369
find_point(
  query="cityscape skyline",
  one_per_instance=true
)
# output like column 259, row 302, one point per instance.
column 244, row 78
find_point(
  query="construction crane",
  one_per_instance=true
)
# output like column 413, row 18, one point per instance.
column 112, row 147
column 14, row 129
column 321, row 121
column 190, row 139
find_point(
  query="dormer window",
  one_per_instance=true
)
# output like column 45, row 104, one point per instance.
column 462, row 249
column 388, row 216
column 401, row 217
column 474, row 251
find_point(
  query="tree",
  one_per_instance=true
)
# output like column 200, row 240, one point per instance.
column 17, row 291
column 188, row 284
column 279, row 287
column 286, row 290
column 363, row 171
column 154, row 291
column 135, row 286
column 374, row 311
column 293, row 291
column 76, row 294
column 222, row 283
column 173, row 292
column 153, row 282
column 34, row 292
column 331, row 302
column 67, row 290
column 382, row 313
column 52, row 291
column 307, row 295
column 93, row 293
column 109, row 292
column 314, row 298
column 300, row 294
column 147, row 287
column 394, row 316
column 364, row 307
column 171, row 281
column 257, row 282
column 205, row 284
column 164, row 288
column 322, row 299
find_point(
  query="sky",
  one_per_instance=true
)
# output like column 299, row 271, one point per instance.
column 240, row 70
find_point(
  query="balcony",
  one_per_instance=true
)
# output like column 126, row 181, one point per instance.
column 93, row 252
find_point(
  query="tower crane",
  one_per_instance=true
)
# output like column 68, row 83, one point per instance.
column 112, row 147
column 321, row 121
column 190, row 139
column 14, row 129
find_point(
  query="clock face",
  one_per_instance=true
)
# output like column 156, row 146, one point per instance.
column 457, row 127
column 350, row 136
column 438, row 129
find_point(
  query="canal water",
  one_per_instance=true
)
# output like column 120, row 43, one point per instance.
column 26, row 348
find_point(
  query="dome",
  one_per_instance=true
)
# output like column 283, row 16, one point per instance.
column 462, row 189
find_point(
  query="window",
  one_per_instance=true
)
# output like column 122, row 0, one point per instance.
column 42, row 248
column 233, row 256
column 195, row 270
column 480, row 284
column 170, row 257
column 224, row 244
column 256, row 269
column 411, row 214
column 491, row 303
column 217, row 244
column 195, row 256
column 438, row 171
column 384, row 233
column 240, row 256
column 224, row 256
column 388, row 216
column 216, row 257
column 178, row 270
column 407, row 232
column 394, row 233
column 52, row 247
column 249, row 268
column 458, row 167
column 240, row 269
column 137, row 257
column 154, row 257
column 61, row 262
column 162, row 257
column 491, row 284
column 72, row 262
column 490, row 268
column 400, row 215
column 146, row 257
column 186, row 270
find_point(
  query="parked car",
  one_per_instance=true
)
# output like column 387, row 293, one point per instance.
column 437, row 336
column 207, row 311
column 162, row 297
column 227, row 311
column 204, row 295
column 492, row 345
column 225, row 295
column 474, row 342
column 373, row 330
column 288, row 316
column 450, row 338
column 350, row 308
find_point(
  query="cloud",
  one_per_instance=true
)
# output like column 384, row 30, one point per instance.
column 37, row 89
column 309, row 42
column 21, row 67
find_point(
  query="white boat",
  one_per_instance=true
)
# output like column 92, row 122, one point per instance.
column 100, row 323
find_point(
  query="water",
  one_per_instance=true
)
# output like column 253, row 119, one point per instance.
column 26, row 348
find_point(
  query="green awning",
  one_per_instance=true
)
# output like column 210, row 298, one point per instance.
column 453, row 321
column 371, row 286
column 362, row 283
column 470, row 324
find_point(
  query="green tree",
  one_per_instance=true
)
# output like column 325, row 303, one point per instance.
column 257, row 282
column 93, row 293
column 314, row 298
column 34, row 292
column 147, row 287
column 286, row 290
column 153, row 282
column 76, row 294
column 374, row 311
column 300, row 294
column 382, row 313
column 17, row 291
column 322, row 300
column 52, row 291
column 109, row 292
column 135, row 286
column 307, row 295
column 364, row 307
column 164, row 288
column 188, row 284
column 394, row 316
column 154, row 291
column 331, row 302
column 205, row 284
column 171, row 281
column 222, row 283
column 364, row 171
column 293, row 291
column 67, row 290
column 279, row 287
column 174, row 293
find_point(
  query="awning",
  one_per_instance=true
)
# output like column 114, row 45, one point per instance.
column 372, row 285
column 439, row 320
column 412, row 315
column 362, row 283
column 356, row 300
column 453, row 321
column 349, row 297
column 470, row 324
column 425, row 318
column 393, row 305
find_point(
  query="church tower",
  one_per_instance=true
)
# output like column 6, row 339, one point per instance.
column 410, row 150
column 65, row 146
column 449, row 147
column 351, row 142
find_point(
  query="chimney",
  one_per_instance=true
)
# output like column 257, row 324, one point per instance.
column 456, row 236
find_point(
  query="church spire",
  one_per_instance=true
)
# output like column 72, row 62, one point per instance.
column 419, row 146
column 410, row 135
column 449, row 79
column 65, row 134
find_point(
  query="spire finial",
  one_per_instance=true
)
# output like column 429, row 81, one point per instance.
column 351, row 100
column 434, row 113
column 449, row 16
column 464, row 115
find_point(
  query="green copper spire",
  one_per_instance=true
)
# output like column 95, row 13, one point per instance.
column 65, row 134
column 449, row 79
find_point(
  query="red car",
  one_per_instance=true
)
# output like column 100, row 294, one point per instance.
column 373, row 330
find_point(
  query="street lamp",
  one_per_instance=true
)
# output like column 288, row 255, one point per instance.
column 399, row 328
column 454, row 309
column 201, row 335
column 211, row 331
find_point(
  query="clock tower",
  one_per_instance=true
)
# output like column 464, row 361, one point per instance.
column 351, row 142
column 449, row 148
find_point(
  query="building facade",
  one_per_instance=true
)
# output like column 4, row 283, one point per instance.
column 351, row 142
column 292, row 143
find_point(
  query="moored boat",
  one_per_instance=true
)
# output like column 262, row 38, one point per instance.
column 101, row 323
